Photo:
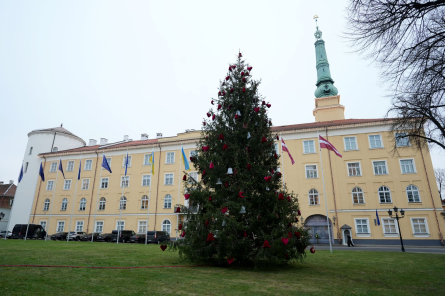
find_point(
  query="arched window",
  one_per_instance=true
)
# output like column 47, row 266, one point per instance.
column 64, row 204
column 313, row 197
column 168, row 201
column 384, row 194
column 144, row 202
column 166, row 226
column 123, row 203
column 46, row 205
column 102, row 202
column 357, row 195
column 83, row 204
column 413, row 193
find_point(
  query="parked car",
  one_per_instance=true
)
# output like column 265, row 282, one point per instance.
column 4, row 233
column 157, row 237
column 124, row 235
column 59, row 236
column 76, row 235
column 137, row 238
column 87, row 237
column 104, row 237
column 34, row 231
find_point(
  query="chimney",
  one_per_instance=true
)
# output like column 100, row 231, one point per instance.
column 158, row 135
column 126, row 138
column 1, row 182
column 11, row 181
column 103, row 141
column 92, row 142
column 144, row 137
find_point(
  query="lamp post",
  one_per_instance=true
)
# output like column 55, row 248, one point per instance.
column 402, row 212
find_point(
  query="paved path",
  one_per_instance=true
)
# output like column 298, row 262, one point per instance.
column 408, row 249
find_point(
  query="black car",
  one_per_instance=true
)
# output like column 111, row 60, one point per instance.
column 157, row 237
column 34, row 231
column 87, row 237
column 124, row 235
column 59, row 236
column 104, row 237
column 137, row 238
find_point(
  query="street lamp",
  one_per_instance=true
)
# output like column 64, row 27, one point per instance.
column 402, row 212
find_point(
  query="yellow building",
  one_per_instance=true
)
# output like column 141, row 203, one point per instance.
column 366, row 180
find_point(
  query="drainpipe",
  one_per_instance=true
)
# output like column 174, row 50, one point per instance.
column 157, row 188
column 92, row 191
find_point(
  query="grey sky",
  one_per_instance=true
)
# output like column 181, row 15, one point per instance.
column 109, row 68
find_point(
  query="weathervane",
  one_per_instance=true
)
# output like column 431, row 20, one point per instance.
column 318, row 32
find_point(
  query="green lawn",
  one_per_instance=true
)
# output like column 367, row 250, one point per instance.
column 322, row 273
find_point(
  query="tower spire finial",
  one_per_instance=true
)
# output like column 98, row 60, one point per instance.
column 318, row 32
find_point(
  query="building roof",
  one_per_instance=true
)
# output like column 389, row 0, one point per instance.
column 326, row 124
column 59, row 129
column 7, row 189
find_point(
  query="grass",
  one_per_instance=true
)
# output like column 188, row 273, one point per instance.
column 322, row 273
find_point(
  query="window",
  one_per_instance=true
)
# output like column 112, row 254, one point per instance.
column 102, row 202
column 99, row 226
column 79, row 225
column 170, row 157
column 384, row 194
column 313, row 197
column 43, row 224
column 168, row 179
column 419, row 225
column 402, row 139
column 26, row 166
column 129, row 161
column 357, row 195
column 413, row 193
column 55, row 149
column 60, row 226
column 67, row 185
column 144, row 202
column 168, row 201
column 407, row 166
column 146, row 180
column 104, row 183
column 64, row 204
column 120, row 225
column 354, row 169
column 147, row 159
column 123, row 203
column 389, row 226
column 49, row 185
column 193, row 175
column 83, row 204
column 142, row 226
column 85, row 184
column 70, row 166
column 361, row 226
column 375, row 141
column 53, row 167
column 350, row 143
column 309, row 146
column 30, row 152
column 125, row 180
column 311, row 171
column 276, row 148
column 88, row 164
column 166, row 226
column 194, row 153
column 380, row 167
column 46, row 205
column 109, row 161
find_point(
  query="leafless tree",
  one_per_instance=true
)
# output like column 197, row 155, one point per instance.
column 406, row 38
column 440, row 179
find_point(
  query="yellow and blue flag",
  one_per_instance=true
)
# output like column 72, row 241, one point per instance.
column 152, row 160
column 184, row 159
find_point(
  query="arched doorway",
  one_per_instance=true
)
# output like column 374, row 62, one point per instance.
column 317, row 224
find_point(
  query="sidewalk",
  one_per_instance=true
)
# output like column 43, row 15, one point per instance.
column 375, row 248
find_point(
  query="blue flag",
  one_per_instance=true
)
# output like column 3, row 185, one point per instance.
column 61, row 168
column 78, row 175
column 42, row 175
column 184, row 159
column 126, row 163
column 105, row 164
column 378, row 220
column 21, row 174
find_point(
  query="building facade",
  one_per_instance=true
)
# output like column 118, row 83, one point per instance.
column 7, row 193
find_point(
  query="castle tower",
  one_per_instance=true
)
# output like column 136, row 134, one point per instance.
column 327, row 102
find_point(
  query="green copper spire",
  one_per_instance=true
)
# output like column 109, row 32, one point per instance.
column 325, row 84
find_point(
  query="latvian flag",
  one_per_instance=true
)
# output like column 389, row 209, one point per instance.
column 325, row 144
column 284, row 148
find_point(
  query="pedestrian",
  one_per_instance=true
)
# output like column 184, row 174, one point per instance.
column 350, row 241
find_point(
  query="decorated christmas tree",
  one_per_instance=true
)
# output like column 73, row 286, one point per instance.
column 239, row 212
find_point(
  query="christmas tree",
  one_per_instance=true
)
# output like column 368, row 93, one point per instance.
column 239, row 212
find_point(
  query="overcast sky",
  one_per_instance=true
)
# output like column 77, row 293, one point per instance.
column 106, row 69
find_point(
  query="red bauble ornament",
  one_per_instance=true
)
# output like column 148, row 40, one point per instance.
column 259, row 217
column 183, row 234
column 230, row 68
column 205, row 148
column 268, row 105
column 234, row 171
column 279, row 175
column 289, row 234
column 248, row 149
column 219, row 106
column 249, row 167
column 210, row 237
column 268, row 178
column 184, row 178
column 312, row 250
column 207, row 224
column 213, row 116
column 187, row 196
column 281, row 196
column 180, row 226
column 263, row 140
column 288, row 198
column 242, row 73
column 276, row 155
column 192, row 159
column 231, row 90
column 225, row 147
column 221, row 137
column 211, row 165
column 244, row 89
column 210, row 198
column 203, row 173
column 236, row 116
column 223, row 93
column 297, row 234
column 204, row 123
column 244, row 79
column 285, row 241
column 208, row 114
column 257, row 109
column 240, row 55
column 245, row 233
column 266, row 244
column 299, row 213
column 240, row 194
column 211, row 102
column 227, row 78
column 278, row 138
column 249, row 68
column 263, row 103
column 224, row 210
column 272, row 171
column 289, row 225
column 230, row 260
column 163, row 247
column 296, row 219
column 178, row 210
column 226, row 184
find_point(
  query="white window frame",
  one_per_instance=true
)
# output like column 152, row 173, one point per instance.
column 120, row 223
column 149, row 180
column 129, row 160
column 304, row 150
column 67, row 182
column 356, row 143
column 143, row 226
column 190, row 176
column 391, row 234
column 386, row 167
column 171, row 201
column 318, row 197
column 170, row 226
column 167, row 157
column 88, row 183
column 359, row 167
column 101, row 183
column 68, row 169
column 64, row 204
column 277, row 151
column 45, row 208
column 145, row 158
column 43, row 222
column 85, row 167
column 165, row 179
column 368, row 226
column 414, row 166
column 418, row 192
column 52, row 185
column 397, row 144
column 123, row 203
column 193, row 153
column 101, row 227
column 390, row 195
column 80, row 204
column 60, row 223
column 108, row 161
column 381, row 141
column 127, row 181
column 53, row 167
column 79, row 223
column 104, row 203
column 306, row 171
column 352, row 195
column 143, row 202
column 426, row 227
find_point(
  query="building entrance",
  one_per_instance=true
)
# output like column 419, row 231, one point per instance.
column 318, row 226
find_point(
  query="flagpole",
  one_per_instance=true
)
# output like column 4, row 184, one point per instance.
column 51, row 208
column 282, row 159
column 149, row 194
column 74, row 201
column 97, row 201
column 9, row 218
column 30, row 211
column 120, row 205
column 324, row 192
